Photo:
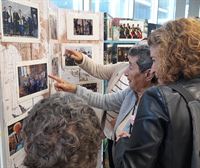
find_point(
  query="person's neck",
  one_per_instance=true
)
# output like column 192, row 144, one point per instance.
column 140, row 92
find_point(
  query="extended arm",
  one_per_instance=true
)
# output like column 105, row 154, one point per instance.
column 111, row 101
column 100, row 71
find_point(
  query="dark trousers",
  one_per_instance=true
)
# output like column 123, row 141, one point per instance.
column 110, row 157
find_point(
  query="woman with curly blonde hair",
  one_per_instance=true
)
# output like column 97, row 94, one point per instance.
column 162, row 136
column 177, row 47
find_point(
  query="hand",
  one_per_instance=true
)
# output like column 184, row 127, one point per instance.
column 123, row 134
column 77, row 56
column 62, row 85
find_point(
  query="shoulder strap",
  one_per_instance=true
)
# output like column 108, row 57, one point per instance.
column 193, row 108
column 184, row 93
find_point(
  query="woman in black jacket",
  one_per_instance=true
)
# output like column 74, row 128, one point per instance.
column 161, row 136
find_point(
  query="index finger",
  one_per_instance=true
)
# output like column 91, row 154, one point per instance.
column 67, row 51
column 55, row 78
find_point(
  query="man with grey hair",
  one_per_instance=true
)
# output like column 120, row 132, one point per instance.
column 124, row 102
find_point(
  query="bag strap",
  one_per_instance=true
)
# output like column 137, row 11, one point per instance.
column 183, row 92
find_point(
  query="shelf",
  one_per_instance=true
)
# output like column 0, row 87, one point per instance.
column 131, row 41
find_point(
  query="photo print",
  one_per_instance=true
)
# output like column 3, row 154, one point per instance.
column 15, row 140
column 107, row 27
column 21, row 108
column 32, row 79
column 91, row 86
column 19, row 21
column 110, row 54
column 122, row 52
column 55, row 66
column 71, row 74
column 67, row 61
column 85, row 77
column 85, row 26
column 131, row 29
column 53, row 22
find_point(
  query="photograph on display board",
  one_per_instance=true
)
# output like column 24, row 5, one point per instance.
column 71, row 74
column 67, row 61
column 19, row 110
column 85, row 77
column 55, row 66
column 110, row 54
column 107, row 27
column 130, row 29
column 19, row 21
column 122, row 52
column 53, row 22
column 15, row 140
column 16, row 160
column 91, row 86
column 32, row 79
column 83, row 26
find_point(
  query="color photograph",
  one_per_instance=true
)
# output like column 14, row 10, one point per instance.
column 85, row 26
column 130, row 29
column 20, row 22
column 14, row 137
column 122, row 52
column 91, row 86
column 67, row 61
column 32, row 79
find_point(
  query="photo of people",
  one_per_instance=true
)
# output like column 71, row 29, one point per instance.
column 83, row 26
column 131, row 29
column 14, row 137
column 32, row 79
column 110, row 54
column 67, row 61
column 122, row 52
column 19, row 20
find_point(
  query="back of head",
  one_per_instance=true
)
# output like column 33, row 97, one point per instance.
column 61, row 132
column 178, row 46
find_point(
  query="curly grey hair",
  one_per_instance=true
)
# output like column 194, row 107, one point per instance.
column 61, row 132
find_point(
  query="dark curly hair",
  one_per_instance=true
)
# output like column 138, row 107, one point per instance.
column 61, row 132
column 178, row 45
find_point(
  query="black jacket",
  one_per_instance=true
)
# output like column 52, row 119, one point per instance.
column 162, row 133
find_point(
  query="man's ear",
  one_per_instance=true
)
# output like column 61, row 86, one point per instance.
column 149, row 75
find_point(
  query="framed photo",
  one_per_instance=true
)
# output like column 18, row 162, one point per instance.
column 85, row 77
column 110, row 54
column 55, row 66
column 15, row 140
column 107, row 27
column 53, row 24
column 19, row 21
column 83, row 26
column 122, row 52
column 91, row 50
column 71, row 74
column 91, row 86
column 32, row 79
column 131, row 29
